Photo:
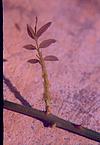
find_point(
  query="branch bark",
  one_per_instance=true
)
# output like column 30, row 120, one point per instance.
column 50, row 119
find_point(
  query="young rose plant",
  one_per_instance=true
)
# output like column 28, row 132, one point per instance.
column 35, row 33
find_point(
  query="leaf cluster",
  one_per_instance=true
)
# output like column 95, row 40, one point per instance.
column 35, row 35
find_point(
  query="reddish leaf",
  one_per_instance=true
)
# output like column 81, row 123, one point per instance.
column 30, row 31
column 43, row 29
column 46, row 43
column 51, row 58
column 29, row 47
column 33, row 61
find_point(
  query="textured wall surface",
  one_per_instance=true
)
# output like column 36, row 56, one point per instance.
column 75, row 78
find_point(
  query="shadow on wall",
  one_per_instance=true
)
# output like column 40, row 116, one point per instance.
column 14, row 90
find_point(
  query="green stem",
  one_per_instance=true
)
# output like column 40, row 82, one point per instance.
column 46, row 85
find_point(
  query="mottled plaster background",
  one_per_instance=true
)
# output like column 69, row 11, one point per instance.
column 75, row 78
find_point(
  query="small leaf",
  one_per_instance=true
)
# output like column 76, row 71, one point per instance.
column 30, row 31
column 77, row 125
column 4, row 60
column 43, row 29
column 29, row 47
column 36, row 20
column 46, row 43
column 51, row 58
column 17, row 26
column 33, row 61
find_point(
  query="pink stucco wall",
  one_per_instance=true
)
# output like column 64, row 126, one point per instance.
column 75, row 78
